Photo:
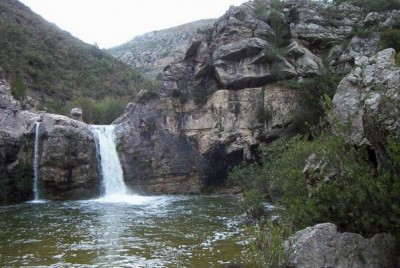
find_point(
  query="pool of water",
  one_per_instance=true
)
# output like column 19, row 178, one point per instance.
column 165, row 231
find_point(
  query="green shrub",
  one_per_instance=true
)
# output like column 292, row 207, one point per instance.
column 18, row 87
column 391, row 39
column 108, row 109
column 357, row 198
column 397, row 59
column 267, row 249
column 101, row 112
column 360, row 31
column 311, row 92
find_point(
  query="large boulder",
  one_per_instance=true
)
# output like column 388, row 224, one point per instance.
column 323, row 246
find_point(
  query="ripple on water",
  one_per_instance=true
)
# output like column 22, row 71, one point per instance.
column 125, row 231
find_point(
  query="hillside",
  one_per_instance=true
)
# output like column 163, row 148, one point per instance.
column 53, row 67
column 151, row 52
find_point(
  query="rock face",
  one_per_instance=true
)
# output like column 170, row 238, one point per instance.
column 151, row 52
column 367, row 101
column 67, row 158
column 224, row 98
column 322, row 246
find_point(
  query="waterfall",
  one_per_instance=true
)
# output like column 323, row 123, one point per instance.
column 36, row 162
column 111, row 170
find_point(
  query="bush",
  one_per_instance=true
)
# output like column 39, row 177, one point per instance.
column 357, row 198
column 101, row 112
column 18, row 87
column 108, row 109
column 391, row 39
column 311, row 93
column 267, row 248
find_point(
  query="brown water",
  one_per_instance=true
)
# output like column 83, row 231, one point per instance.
column 167, row 231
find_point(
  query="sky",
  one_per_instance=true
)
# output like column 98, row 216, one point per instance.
column 110, row 23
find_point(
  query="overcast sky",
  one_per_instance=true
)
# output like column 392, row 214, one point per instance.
column 113, row 22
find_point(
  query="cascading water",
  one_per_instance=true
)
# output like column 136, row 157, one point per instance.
column 36, row 162
column 111, row 170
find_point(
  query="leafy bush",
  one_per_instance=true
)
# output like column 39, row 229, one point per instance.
column 311, row 92
column 356, row 198
column 391, row 39
column 267, row 248
column 18, row 87
column 108, row 109
column 101, row 112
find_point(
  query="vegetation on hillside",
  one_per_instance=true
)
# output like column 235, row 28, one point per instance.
column 53, row 67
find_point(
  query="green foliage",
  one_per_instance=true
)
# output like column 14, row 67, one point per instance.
column 360, row 31
column 18, row 87
column 101, row 112
column 391, row 39
column 57, row 67
column 356, row 197
column 311, row 92
column 108, row 109
column 397, row 59
column 278, row 23
column 373, row 5
column 267, row 248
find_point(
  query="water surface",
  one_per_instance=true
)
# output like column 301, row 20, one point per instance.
column 166, row 231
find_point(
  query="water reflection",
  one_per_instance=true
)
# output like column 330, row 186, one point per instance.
column 143, row 232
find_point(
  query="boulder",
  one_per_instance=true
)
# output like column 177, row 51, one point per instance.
column 76, row 113
column 323, row 246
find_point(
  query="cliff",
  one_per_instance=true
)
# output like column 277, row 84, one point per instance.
column 151, row 52
column 258, row 75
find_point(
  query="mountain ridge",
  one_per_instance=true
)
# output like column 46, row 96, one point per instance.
column 152, row 51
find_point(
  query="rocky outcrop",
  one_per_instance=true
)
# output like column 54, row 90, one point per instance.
column 323, row 246
column 151, row 52
column 223, row 99
column 68, row 166
column 67, row 159
column 366, row 102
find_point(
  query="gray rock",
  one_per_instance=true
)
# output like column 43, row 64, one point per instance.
column 68, row 164
column 152, row 51
column 245, row 64
column 367, row 101
column 322, row 246
column 76, row 113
